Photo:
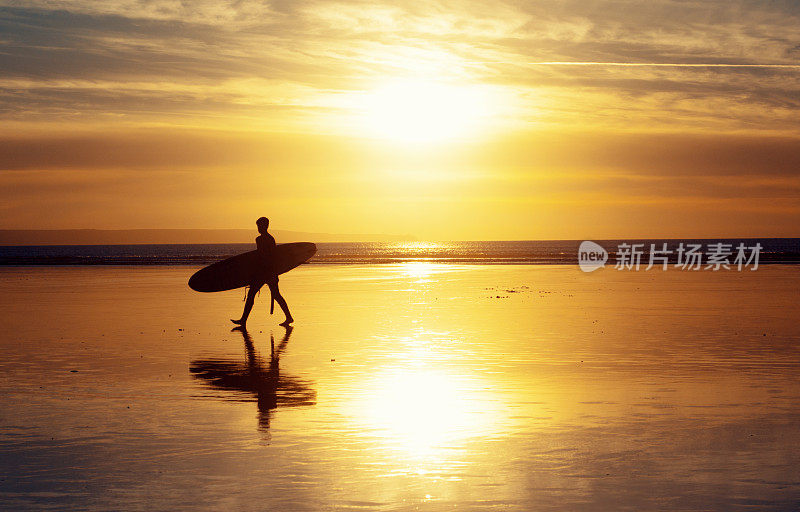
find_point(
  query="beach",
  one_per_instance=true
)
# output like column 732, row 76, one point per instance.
column 414, row 386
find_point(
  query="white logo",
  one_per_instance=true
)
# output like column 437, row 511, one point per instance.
column 591, row 256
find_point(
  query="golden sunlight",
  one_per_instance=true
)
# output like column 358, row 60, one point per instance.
column 421, row 111
column 422, row 411
column 418, row 270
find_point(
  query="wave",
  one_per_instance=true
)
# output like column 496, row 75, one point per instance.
column 530, row 252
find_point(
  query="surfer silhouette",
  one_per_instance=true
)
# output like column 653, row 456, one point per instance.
column 266, row 248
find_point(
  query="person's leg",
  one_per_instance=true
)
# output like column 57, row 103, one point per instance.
column 276, row 294
column 248, row 304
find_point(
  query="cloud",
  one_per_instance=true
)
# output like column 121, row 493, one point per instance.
column 205, row 47
column 606, row 153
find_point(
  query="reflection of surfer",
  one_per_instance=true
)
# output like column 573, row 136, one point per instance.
column 258, row 378
column 266, row 248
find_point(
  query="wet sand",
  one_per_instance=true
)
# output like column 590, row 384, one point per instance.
column 402, row 387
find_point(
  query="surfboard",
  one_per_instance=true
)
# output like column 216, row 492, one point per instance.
column 240, row 270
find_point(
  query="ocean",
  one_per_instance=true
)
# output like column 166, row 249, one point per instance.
column 536, row 252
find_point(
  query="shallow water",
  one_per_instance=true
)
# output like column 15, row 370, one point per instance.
column 416, row 386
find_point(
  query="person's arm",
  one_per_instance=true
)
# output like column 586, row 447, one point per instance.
column 264, row 249
column 271, row 246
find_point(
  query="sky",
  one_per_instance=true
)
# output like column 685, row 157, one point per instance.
column 459, row 120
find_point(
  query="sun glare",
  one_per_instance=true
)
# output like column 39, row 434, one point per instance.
column 421, row 111
column 422, row 412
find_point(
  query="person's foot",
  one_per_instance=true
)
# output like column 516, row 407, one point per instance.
column 287, row 322
column 240, row 322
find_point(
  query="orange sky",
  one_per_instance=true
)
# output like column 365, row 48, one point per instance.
column 444, row 120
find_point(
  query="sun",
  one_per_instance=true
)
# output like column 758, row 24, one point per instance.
column 423, row 111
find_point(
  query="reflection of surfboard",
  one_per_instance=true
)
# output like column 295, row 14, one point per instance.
column 238, row 271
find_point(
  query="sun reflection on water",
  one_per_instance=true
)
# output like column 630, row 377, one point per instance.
column 419, row 411
column 418, row 247
column 424, row 417
column 419, row 270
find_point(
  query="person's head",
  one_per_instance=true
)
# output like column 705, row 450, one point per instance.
column 262, row 224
